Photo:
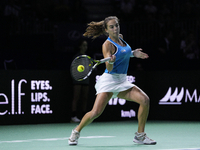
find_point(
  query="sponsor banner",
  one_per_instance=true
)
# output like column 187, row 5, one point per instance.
column 28, row 97
column 34, row 97
column 175, row 98
column 175, row 95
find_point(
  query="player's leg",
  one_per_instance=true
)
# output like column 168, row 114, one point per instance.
column 137, row 95
column 99, row 106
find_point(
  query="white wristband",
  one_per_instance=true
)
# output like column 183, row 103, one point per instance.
column 111, row 62
column 132, row 54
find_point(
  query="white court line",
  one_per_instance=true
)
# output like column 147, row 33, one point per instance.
column 54, row 139
column 183, row 149
column 92, row 137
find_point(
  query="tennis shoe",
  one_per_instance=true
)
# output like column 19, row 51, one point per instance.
column 73, row 139
column 142, row 138
column 75, row 119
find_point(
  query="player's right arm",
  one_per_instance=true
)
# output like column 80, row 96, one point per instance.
column 108, row 50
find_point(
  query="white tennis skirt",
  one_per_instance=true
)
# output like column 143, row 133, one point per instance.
column 114, row 83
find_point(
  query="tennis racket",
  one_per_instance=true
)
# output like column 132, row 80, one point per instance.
column 87, row 64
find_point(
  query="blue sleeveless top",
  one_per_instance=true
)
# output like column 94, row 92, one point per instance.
column 122, row 54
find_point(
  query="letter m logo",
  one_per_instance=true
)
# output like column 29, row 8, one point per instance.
column 172, row 99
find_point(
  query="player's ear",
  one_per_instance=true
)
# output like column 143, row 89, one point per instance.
column 106, row 30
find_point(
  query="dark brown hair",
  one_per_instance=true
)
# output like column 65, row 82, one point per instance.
column 95, row 29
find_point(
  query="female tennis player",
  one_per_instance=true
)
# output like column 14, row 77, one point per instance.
column 113, row 82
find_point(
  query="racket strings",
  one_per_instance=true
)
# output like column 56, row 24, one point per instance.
column 86, row 62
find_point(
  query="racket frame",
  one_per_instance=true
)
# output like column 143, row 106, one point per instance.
column 97, row 62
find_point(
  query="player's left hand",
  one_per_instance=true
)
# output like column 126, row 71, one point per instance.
column 139, row 54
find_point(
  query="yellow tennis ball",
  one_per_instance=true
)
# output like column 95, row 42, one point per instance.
column 80, row 68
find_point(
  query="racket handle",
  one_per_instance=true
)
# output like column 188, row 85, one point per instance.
column 105, row 59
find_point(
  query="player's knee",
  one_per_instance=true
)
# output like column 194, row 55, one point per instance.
column 145, row 101
column 95, row 114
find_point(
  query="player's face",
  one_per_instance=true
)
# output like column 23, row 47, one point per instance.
column 113, row 28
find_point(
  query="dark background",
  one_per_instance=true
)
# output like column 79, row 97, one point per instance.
column 38, row 39
column 43, row 34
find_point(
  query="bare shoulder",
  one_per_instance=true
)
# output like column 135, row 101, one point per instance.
column 121, row 36
column 108, row 47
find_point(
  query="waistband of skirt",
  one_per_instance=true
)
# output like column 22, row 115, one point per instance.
column 116, row 77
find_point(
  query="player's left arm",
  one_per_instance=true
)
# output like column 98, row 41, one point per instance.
column 139, row 54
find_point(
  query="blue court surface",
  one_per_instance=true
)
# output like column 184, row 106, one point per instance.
column 170, row 135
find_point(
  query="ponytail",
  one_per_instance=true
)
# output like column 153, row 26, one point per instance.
column 95, row 29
